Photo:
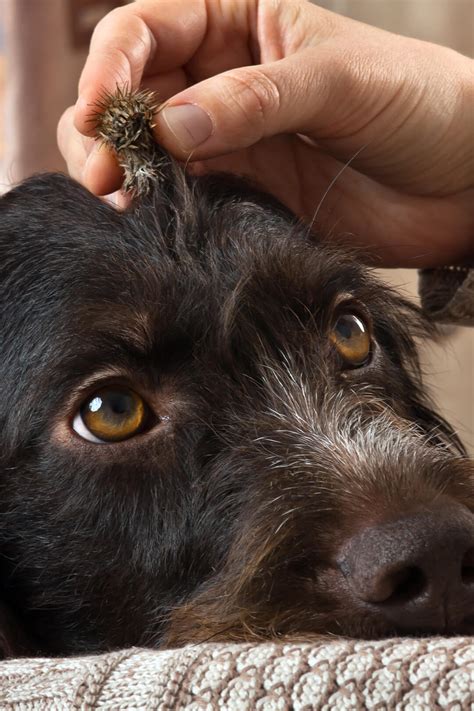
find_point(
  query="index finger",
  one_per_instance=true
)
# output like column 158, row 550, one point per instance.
column 144, row 37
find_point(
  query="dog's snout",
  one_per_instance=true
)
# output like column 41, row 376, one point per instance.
column 417, row 572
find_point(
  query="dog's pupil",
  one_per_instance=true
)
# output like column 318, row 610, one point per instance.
column 348, row 326
column 116, row 404
column 113, row 406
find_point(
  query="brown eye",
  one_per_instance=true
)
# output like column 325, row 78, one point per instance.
column 352, row 340
column 111, row 414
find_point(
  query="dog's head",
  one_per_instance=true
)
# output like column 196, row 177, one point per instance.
column 213, row 426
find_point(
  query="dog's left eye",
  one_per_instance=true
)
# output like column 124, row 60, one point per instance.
column 111, row 414
column 351, row 338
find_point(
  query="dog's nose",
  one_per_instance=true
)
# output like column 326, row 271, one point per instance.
column 416, row 571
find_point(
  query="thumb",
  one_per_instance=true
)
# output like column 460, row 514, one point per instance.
column 301, row 93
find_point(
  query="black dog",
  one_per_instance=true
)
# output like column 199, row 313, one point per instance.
column 212, row 426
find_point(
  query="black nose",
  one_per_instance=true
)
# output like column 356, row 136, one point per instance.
column 417, row 571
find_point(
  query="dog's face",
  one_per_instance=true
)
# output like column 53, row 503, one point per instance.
column 212, row 426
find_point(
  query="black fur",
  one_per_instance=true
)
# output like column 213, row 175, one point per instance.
column 211, row 301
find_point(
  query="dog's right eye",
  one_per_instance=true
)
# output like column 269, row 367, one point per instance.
column 111, row 414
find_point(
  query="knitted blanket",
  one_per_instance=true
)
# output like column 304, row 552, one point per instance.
column 408, row 674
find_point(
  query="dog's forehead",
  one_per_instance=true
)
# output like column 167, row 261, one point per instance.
column 58, row 238
column 160, row 273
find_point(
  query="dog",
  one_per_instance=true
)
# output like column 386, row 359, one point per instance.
column 213, row 426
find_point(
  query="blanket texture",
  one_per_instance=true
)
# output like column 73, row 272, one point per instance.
column 409, row 674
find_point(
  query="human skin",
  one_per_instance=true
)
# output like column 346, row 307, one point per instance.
column 365, row 133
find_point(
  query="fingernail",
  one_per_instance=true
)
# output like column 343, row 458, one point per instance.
column 189, row 124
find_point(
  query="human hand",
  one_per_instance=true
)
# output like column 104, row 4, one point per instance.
column 290, row 94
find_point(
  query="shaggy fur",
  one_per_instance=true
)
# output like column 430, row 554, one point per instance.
column 223, row 519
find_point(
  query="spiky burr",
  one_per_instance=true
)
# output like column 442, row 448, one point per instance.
column 124, row 122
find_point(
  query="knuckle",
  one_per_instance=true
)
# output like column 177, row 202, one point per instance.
column 117, row 59
column 254, row 94
column 103, row 27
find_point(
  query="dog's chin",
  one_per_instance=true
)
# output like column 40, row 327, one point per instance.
column 306, row 624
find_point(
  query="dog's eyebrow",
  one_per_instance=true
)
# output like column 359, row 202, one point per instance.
column 120, row 322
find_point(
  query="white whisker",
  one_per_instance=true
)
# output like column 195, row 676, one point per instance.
column 332, row 183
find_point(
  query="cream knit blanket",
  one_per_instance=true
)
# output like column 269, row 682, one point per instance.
column 408, row 674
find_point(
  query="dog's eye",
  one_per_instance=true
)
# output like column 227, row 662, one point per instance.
column 351, row 338
column 111, row 414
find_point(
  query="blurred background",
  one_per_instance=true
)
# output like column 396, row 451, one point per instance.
column 43, row 44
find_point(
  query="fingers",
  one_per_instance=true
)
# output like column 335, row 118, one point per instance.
column 299, row 94
column 146, row 40
column 87, row 161
column 74, row 147
column 133, row 40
